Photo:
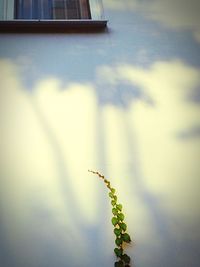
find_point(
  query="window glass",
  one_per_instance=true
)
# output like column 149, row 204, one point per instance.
column 52, row 9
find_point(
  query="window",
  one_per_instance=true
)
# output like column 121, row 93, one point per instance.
column 52, row 9
column 51, row 15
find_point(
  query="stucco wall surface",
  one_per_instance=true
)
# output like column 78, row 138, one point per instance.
column 125, row 102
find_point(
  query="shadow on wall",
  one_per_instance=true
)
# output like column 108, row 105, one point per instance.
column 52, row 135
column 90, row 233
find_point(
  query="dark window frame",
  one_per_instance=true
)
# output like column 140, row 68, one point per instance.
column 52, row 26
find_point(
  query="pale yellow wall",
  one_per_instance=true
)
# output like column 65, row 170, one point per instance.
column 124, row 102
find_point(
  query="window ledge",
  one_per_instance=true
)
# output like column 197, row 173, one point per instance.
column 52, row 25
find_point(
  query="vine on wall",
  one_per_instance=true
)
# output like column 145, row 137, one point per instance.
column 120, row 227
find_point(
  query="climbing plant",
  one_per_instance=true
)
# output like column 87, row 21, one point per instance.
column 120, row 228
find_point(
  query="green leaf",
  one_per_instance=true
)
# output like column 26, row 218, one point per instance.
column 114, row 221
column 117, row 231
column 108, row 185
column 118, row 241
column 114, row 211
column 123, row 226
column 126, row 238
column 113, row 202
column 119, row 207
column 118, row 251
column 120, row 216
column 126, row 258
column 115, row 198
column 119, row 264
column 111, row 195
column 112, row 190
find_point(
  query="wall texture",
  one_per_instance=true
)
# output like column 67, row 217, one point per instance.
column 125, row 102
